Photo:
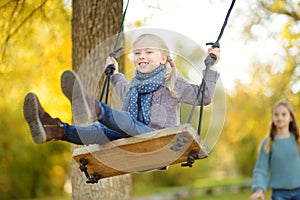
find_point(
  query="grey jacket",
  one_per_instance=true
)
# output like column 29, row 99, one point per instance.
column 165, row 108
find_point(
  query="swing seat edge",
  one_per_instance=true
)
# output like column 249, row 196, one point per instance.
column 140, row 153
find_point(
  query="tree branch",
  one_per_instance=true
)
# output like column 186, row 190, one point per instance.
column 10, row 32
column 6, row 4
column 292, row 12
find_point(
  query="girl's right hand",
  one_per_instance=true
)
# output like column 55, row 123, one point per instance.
column 110, row 60
column 258, row 194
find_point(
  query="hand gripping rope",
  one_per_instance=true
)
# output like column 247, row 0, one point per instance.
column 209, row 61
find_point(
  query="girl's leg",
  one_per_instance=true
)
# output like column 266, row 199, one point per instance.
column 279, row 194
column 42, row 126
column 96, row 133
column 85, row 108
column 121, row 121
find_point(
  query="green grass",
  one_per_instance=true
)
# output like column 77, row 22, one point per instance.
column 237, row 196
column 240, row 195
column 244, row 195
column 230, row 188
column 51, row 198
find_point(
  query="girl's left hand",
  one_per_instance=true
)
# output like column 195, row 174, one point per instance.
column 111, row 60
column 216, row 52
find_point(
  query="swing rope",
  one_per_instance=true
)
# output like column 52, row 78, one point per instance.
column 111, row 68
column 116, row 49
column 209, row 61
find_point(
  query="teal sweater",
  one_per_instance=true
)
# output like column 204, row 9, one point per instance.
column 282, row 169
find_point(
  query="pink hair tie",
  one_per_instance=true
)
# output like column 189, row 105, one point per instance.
column 172, row 63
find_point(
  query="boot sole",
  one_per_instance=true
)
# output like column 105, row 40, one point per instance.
column 31, row 114
column 73, row 89
column 67, row 82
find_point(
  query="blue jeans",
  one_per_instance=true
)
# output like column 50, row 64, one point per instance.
column 111, row 125
column 282, row 194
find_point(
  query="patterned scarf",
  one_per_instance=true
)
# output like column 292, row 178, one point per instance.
column 138, row 99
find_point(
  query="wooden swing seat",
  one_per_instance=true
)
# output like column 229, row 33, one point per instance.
column 143, row 152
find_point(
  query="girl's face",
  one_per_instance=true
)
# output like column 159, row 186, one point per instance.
column 147, row 56
column 281, row 117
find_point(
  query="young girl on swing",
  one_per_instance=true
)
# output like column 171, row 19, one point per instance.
column 278, row 163
column 147, row 100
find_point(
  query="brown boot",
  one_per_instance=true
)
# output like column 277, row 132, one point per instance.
column 85, row 108
column 43, row 127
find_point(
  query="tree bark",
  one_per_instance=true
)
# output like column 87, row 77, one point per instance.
column 95, row 24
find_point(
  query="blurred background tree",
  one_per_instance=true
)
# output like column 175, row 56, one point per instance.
column 35, row 49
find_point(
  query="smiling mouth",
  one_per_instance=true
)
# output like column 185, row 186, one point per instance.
column 142, row 64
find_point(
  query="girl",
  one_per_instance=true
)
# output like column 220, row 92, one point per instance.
column 278, row 163
column 147, row 101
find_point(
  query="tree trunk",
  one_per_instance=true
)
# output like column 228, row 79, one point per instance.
column 95, row 24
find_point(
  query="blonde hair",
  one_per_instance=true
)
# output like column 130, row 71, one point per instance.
column 163, row 47
column 293, row 126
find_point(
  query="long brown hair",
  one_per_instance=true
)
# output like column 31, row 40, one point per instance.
column 293, row 126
